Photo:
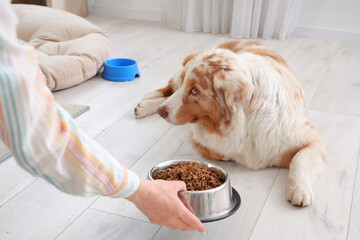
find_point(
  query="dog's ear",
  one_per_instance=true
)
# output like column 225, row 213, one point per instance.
column 234, row 88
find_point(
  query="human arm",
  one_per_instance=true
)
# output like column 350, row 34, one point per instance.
column 44, row 138
column 46, row 142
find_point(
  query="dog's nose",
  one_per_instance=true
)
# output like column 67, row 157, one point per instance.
column 163, row 112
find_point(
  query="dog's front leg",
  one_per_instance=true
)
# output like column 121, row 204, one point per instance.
column 206, row 153
column 305, row 165
column 152, row 101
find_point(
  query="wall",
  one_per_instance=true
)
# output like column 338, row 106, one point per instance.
column 325, row 19
column 331, row 14
column 330, row 19
column 149, row 10
column 79, row 7
column 143, row 4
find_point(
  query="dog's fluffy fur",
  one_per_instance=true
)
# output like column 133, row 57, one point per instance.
column 244, row 104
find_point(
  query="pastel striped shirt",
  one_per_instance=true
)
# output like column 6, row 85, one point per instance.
column 43, row 137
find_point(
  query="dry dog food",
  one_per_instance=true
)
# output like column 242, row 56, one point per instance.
column 196, row 176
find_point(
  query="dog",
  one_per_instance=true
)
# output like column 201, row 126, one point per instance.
column 244, row 104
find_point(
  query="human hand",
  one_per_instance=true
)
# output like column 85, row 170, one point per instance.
column 163, row 204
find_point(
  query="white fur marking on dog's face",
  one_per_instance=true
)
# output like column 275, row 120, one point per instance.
column 173, row 105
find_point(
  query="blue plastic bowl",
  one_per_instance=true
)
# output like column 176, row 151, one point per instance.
column 120, row 70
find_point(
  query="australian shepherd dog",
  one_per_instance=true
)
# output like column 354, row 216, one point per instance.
column 244, row 104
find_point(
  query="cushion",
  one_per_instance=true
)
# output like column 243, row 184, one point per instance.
column 69, row 48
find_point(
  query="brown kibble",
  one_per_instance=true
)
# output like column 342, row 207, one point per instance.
column 196, row 176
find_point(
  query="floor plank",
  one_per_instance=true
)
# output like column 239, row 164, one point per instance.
column 13, row 179
column 285, row 48
column 354, row 222
column 40, row 212
column 99, row 225
column 90, row 131
column 120, row 207
column 310, row 72
column 328, row 216
column 129, row 138
column 339, row 91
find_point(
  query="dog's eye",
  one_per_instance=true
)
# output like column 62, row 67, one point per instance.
column 195, row 91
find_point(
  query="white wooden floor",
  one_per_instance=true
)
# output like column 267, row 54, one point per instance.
column 328, row 71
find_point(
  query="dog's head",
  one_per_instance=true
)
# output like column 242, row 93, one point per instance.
column 212, row 86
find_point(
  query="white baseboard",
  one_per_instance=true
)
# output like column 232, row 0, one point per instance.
column 123, row 12
column 327, row 34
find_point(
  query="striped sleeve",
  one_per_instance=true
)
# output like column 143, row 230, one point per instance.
column 43, row 138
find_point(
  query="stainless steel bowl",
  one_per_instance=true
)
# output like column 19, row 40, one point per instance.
column 209, row 205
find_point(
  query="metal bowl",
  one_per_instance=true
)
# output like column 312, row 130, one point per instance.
column 209, row 205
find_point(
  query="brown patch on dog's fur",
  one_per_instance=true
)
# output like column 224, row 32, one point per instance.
column 262, row 51
column 314, row 142
column 202, row 78
column 281, row 72
column 166, row 91
column 203, row 110
column 308, row 125
column 232, row 46
column 239, row 96
column 189, row 58
column 209, row 56
column 288, row 156
column 234, row 96
column 219, row 65
column 205, row 152
column 243, row 93
column 221, row 99
column 317, row 142
column 197, row 83
column 237, row 46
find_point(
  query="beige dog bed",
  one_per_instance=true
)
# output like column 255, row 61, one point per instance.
column 70, row 49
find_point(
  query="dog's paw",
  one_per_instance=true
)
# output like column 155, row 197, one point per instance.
column 153, row 95
column 148, row 107
column 143, row 109
column 299, row 193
